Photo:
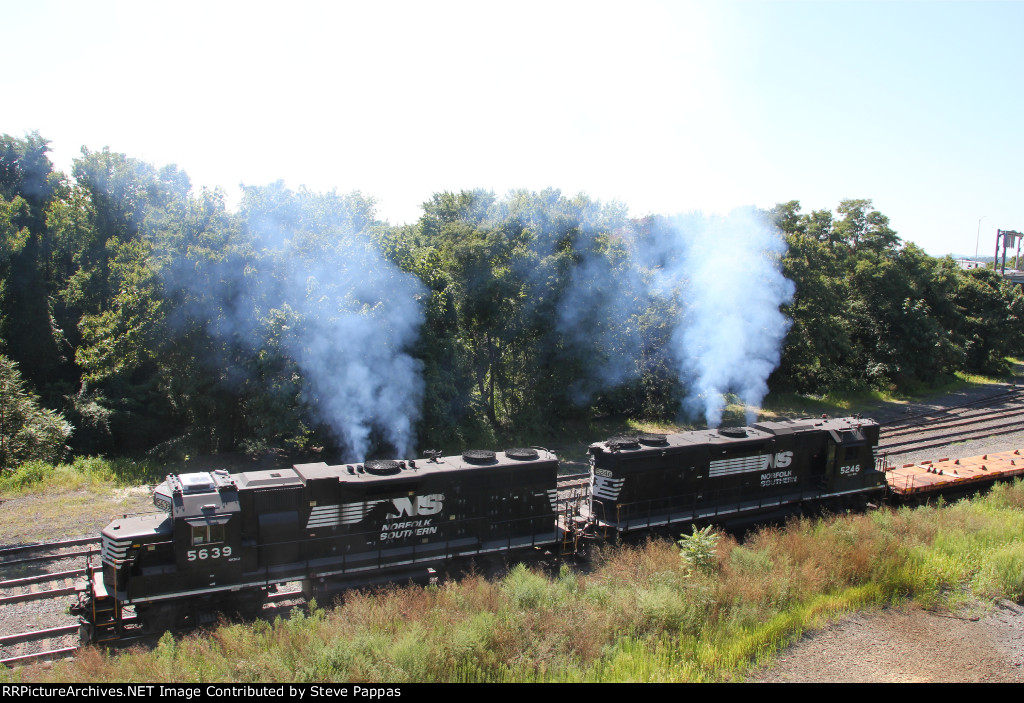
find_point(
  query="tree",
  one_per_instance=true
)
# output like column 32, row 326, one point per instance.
column 30, row 333
column 990, row 320
column 27, row 432
column 818, row 352
column 863, row 226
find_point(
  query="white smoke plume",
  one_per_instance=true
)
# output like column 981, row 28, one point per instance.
column 311, row 286
column 717, row 281
column 726, row 272
column 358, row 317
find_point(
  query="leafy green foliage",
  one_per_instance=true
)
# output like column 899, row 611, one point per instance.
column 870, row 312
column 698, row 549
column 27, row 431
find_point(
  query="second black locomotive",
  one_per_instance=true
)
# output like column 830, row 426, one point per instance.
column 649, row 480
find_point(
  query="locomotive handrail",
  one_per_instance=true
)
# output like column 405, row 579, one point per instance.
column 379, row 557
column 644, row 514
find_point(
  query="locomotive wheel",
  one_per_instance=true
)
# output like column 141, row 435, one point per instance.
column 250, row 602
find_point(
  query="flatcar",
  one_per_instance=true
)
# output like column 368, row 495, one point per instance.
column 652, row 480
column 222, row 539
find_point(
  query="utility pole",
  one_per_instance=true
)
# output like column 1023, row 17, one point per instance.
column 977, row 239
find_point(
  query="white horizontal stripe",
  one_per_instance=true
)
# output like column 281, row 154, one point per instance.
column 739, row 465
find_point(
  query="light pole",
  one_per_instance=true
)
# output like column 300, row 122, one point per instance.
column 978, row 239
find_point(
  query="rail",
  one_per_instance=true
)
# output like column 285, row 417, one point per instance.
column 41, row 578
column 945, row 409
column 897, row 448
column 39, row 656
column 14, row 549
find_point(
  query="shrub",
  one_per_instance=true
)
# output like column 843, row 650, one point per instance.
column 698, row 549
column 27, row 431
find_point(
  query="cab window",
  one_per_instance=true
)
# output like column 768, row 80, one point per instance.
column 207, row 534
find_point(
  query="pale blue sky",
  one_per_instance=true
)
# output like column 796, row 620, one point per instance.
column 667, row 107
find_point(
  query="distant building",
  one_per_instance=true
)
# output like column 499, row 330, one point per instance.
column 970, row 264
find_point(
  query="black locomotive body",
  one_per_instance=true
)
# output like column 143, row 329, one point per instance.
column 222, row 533
column 646, row 481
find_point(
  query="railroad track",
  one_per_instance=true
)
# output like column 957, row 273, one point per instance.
column 987, row 417
column 945, row 411
column 36, row 584
column 43, row 552
column 965, row 420
column 275, row 602
column 32, row 587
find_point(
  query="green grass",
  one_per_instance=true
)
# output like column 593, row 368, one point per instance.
column 46, row 502
column 89, row 473
column 641, row 614
column 795, row 404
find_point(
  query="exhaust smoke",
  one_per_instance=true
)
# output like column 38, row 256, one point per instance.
column 726, row 274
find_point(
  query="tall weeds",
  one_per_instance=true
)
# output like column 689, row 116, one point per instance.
column 83, row 472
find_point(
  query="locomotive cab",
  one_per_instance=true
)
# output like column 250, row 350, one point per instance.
column 851, row 464
column 204, row 508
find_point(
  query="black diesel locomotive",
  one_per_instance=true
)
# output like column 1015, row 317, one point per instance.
column 223, row 540
column 649, row 480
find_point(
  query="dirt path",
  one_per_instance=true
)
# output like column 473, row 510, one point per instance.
column 908, row 646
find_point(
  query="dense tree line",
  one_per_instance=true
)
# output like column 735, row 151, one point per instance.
column 152, row 318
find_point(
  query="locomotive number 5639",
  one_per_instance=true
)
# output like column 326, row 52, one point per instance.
column 212, row 553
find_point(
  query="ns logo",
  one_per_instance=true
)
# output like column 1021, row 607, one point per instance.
column 415, row 506
column 777, row 461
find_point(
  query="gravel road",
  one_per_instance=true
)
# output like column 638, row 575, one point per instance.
column 907, row 646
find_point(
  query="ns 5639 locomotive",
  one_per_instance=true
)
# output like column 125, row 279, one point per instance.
column 223, row 539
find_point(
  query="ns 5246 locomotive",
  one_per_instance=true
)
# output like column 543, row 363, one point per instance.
column 650, row 480
column 223, row 539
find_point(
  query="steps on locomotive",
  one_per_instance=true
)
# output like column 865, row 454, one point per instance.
column 106, row 618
